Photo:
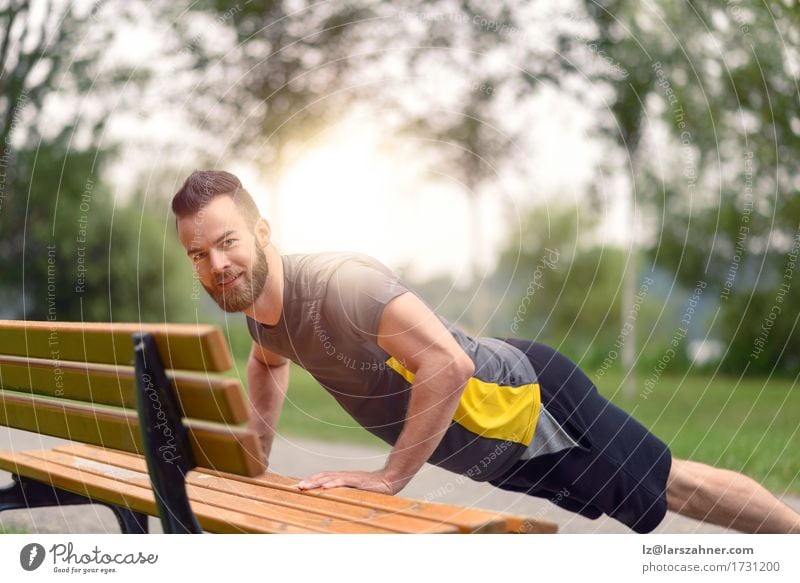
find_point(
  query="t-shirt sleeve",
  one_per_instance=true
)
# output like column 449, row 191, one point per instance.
column 255, row 332
column 357, row 294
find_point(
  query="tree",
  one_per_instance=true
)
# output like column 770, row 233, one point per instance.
column 289, row 74
column 68, row 251
column 718, row 82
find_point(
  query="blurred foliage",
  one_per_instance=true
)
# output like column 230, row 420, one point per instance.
column 438, row 76
column 68, row 253
column 296, row 69
column 702, row 116
column 705, row 104
column 722, row 73
column 68, row 249
column 555, row 288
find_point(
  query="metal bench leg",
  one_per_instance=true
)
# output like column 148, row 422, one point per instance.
column 27, row 493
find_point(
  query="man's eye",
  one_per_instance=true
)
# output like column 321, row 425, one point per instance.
column 198, row 257
column 228, row 242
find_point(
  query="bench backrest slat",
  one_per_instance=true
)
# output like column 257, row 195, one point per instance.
column 220, row 447
column 213, row 398
column 181, row 346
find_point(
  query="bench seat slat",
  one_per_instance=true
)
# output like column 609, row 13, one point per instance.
column 181, row 346
column 482, row 521
column 232, row 449
column 102, row 481
column 223, row 500
column 212, row 398
column 466, row 520
column 293, row 499
column 140, row 499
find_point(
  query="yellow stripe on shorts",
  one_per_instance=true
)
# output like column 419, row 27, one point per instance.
column 492, row 410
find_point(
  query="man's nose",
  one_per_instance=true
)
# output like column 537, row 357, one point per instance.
column 219, row 261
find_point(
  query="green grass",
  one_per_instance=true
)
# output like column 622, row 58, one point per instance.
column 751, row 428
column 309, row 411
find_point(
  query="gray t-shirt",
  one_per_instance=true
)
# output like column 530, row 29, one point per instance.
column 332, row 305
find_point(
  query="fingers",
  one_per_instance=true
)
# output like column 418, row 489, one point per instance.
column 331, row 480
column 360, row 480
column 318, row 481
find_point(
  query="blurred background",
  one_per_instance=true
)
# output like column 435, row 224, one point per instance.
column 615, row 179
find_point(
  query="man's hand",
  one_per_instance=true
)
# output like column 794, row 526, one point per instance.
column 371, row 481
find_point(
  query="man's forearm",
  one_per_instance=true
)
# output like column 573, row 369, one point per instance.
column 267, row 390
column 435, row 394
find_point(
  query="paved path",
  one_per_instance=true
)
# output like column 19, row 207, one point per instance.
column 300, row 458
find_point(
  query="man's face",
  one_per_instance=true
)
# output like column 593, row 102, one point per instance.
column 229, row 262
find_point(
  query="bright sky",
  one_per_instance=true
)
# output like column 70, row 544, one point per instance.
column 346, row 193
column 353, row 191
column 349, row 193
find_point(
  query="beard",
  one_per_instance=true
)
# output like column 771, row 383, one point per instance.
column 243, row 295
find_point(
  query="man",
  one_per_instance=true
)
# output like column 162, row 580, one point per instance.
column 514, row 413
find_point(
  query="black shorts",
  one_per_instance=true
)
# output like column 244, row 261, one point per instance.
column 619, row 468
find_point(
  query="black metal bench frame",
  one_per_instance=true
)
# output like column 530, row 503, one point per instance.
column 162, row 429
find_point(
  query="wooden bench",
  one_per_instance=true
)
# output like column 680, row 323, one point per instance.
column 161, row 432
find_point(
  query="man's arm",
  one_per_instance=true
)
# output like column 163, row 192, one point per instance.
column 413, row 334
column 267, row 381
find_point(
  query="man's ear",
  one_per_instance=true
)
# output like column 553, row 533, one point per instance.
column 262, row 232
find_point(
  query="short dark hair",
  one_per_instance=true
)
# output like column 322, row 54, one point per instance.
column 202, row 186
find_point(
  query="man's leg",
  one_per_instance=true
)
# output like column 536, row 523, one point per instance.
column 727, row 498
column 618, row 468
